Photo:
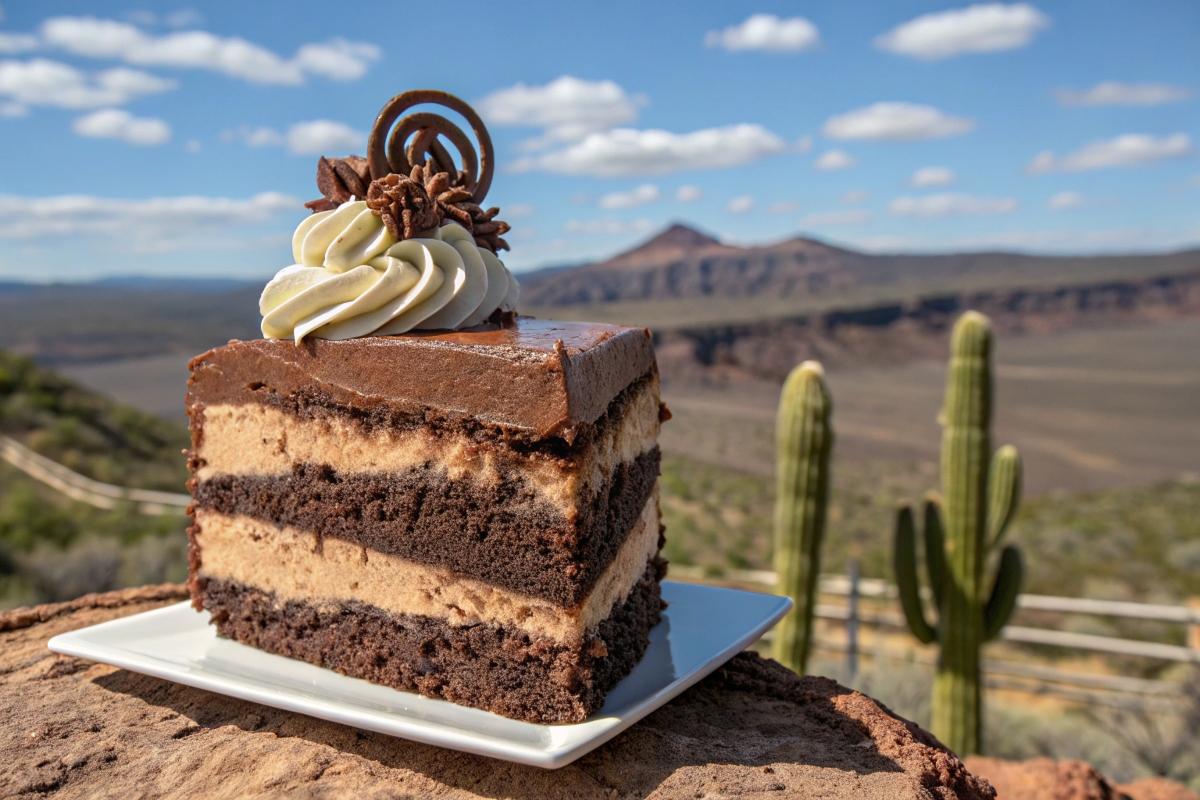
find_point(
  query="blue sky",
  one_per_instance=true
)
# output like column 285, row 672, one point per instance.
column 171, row 140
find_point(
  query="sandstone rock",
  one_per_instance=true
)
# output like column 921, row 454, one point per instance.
column 73, row 728
column 1040, row 778
column 1157, row 789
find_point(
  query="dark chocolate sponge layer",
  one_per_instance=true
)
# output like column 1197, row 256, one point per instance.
column 497, row 533
column 484, row 666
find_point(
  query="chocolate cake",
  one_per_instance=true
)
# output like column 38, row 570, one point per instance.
column 470, row 514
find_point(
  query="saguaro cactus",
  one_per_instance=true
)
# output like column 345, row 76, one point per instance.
column 960, row 530
column 804, row 442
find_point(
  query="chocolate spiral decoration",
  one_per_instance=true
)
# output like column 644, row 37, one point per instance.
column 396, row 153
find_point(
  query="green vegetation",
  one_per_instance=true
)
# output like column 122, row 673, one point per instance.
column 87, row 432
column 54, row 549
column 1137, row 543
column 804, row 444
column 979, row 501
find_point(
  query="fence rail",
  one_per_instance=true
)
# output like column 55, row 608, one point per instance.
column 873, row 587
column 84, row 489
column 879, row 590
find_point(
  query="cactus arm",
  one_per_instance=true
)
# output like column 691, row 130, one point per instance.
column 1003, row 599
column 905, row 563
column 935, row 551
column 1004, row 491
column 804, row 442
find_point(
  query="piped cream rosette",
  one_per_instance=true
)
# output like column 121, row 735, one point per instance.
column 352, row 278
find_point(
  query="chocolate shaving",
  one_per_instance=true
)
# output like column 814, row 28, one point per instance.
column 404, row 205
column 339, row 179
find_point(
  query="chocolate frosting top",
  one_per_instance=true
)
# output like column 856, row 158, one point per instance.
column 540, row 376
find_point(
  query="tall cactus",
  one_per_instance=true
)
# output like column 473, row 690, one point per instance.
column 960, row 530
column 804, row 442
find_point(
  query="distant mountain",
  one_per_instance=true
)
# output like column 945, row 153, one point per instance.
column 144, row 283
column 140, row 283
column 682, row 263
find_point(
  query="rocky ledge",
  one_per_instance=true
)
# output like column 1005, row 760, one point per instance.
column 73, row 728
column 1040, row 778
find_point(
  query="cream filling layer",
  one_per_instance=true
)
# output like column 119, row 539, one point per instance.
column 258, row 440
column 294, row 565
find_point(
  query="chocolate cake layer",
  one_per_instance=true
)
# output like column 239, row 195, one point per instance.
column 292, row 564
column 540, row 378
column 498, row 533
column 485, row 666
column 266, row 439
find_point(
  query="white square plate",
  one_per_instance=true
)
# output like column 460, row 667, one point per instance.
column 702, row 628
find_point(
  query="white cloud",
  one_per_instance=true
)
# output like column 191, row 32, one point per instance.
column 152, row 225
column 1064, row 201
column 338, row 59
column 184, row 18
column 834, row 159
column 856, row 196
column 254, row 137
column 845, row 217
column 18, row 42
column 323, row 137
column 105, row 38
column 41, row 81
column 646, row 193
column 688, row 194
column 193, row 146
column 896, row 122
column 1113, row 93
column 932, row 176
column 768, row 33
column 518, row 210
column 13, row 110
column 980, row 28
column 1128, row 150
column 609, row 227
column 117, row 123
column 803, row 144
column 950, row 205
column 1073, row 241
column 740, row 205
column 318, row 137
column 568, row 108
column 782, row 208
column 624, row 151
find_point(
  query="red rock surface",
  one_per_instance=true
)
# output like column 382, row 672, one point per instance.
column 1157, row 789
column 1044, row 779
column 73, row 728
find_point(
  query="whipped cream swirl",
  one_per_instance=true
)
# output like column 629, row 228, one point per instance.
column 352, row 278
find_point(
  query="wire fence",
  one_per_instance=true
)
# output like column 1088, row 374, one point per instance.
column 891, row 644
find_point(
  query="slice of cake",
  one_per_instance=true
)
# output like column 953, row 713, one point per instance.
column 469, row 514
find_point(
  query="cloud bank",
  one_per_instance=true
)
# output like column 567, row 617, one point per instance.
column 767, row 33
column 1129, row 150
column 980, row 28
column 896, row 122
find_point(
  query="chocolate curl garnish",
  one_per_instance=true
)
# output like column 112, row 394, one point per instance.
column 339, row 179
column 404, row 206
